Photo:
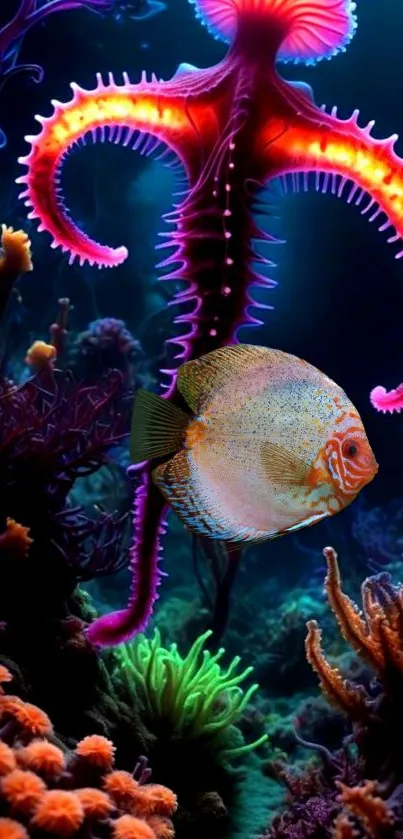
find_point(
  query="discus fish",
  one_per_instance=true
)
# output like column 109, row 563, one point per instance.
column 272, row 445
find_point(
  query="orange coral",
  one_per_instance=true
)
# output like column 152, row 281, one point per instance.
column 16, row 256
column 59, row 811
column 338, row 690
column 16, row 539
column 23, row 790
column 153, row 799
column 97, row 750
column 131, row 810
column 122, row 788
column 95, row 803
column 129, row 827
column 40, row 354
column 10, row 829
column 369, row 809
column 30, row 718
column 376, row 634
column 343, row 828
column 41, row 756
column 7, row 759
column 162, row 827
column 5, row 676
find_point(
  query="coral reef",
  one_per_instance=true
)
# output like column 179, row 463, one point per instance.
column 192, row 707
column 358, row 790
column 48, row 790
column 190, row 698
column 55, row 433
column 240, row 104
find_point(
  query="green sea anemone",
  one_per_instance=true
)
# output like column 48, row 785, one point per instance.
column 192, row 697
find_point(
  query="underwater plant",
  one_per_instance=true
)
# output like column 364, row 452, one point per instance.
column 358, row 790
column 232, row 127
column 185, row 697
column 47, row 789
column 53, row 431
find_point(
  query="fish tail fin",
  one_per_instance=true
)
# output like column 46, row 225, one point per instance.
column 157, row 427
column 308, row 29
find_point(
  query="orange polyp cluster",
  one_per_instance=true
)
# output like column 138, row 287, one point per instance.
column 32, row 770
column 15, row 539
column 40, row 354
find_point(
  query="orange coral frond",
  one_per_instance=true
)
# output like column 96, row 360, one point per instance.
column 7, row 759
column 98, row 750
column 96, row 804
column 367, row 807
column 122, row 788
column 23, row 790
column 351, row 622
column 40, row 354
column 59, row 812
column 16, row 256
column 30, row 718
column 343, row 828
column 338, row 690
column 155, row 799
column 10, row 829
column 129, row 827
column 163, row 828
column 42, row 757
column 16, row 539
column 5, row 676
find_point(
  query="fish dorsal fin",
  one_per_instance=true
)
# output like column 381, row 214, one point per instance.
column 199, row 380
column 282, row 467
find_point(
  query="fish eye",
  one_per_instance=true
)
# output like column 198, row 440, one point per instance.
column 350, row 449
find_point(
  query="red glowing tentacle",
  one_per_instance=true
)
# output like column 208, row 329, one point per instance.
column 341, row 148
column 129, row 110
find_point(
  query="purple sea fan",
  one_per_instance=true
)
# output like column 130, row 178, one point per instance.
column 54, row 430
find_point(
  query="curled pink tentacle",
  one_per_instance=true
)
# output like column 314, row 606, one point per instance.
column 387, row 401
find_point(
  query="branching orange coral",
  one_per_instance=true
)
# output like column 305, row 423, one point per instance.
column 376, row 634
column 363, row 808
column 31, row 769
column 338, row 690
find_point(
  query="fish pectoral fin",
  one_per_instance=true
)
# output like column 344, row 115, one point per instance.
column 282, row 467
column 157, row 427
column 199, row 380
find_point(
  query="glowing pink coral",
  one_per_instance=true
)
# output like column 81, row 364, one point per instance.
column 387, row 401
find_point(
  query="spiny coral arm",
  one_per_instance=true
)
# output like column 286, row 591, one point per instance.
column 126, row 114
column 368, row 808
column 149, row 525
column 353, row 626
column 15, row 259
column 338, row 690
column 387, row 401
column 341, row 148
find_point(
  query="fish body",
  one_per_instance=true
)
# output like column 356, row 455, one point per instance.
column 273, row 445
